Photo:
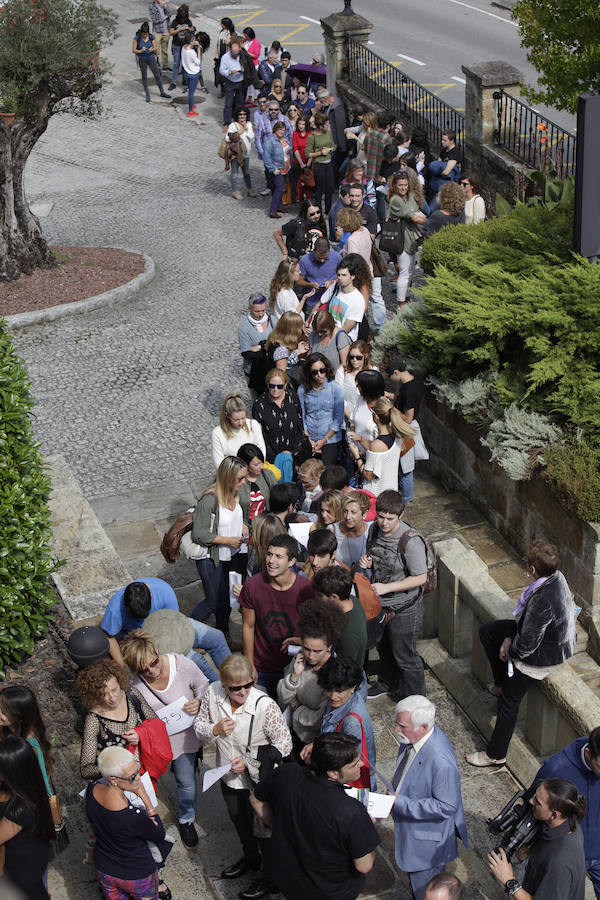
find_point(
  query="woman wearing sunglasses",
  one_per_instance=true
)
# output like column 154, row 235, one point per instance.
column 124, row 821
column 162, row 678
column 322, row 403
column 241, row 720
column 279, row 413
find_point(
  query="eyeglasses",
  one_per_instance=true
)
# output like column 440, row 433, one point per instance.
column 151, row 665
column 129, row 778
column 356, row 356
column 236, row 688
column 276, row 387
column 320, row 371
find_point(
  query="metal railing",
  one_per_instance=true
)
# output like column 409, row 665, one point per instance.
column 396, row 92
column 532, row 138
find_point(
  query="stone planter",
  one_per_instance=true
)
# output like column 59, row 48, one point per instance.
column 521, row 510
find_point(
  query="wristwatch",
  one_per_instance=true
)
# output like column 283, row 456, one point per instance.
column 512, row 886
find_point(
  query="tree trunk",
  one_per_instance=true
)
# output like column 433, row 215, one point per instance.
column 22, row 246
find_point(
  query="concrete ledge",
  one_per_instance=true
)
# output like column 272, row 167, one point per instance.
column 93, row 570
column 108, row 298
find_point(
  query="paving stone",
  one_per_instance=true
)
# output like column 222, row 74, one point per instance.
column 510, row 575
column 134, row 540
column 488, row 543
column 448, row 514
column 161, row 501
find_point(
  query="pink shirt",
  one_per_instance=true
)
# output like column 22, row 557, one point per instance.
column 360, row 242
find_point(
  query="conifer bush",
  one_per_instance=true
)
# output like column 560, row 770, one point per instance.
column 26, row 559
column 509, row 302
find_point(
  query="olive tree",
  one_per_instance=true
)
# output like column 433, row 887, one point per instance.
column 48, row 63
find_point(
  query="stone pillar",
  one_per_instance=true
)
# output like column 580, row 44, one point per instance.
column 482, row 80
column 335, row 28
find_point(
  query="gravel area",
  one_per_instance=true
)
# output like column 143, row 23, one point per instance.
column 81, row 272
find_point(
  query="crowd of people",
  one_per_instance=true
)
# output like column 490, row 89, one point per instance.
column 303, row 530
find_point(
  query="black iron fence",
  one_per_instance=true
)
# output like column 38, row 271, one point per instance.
column 535, row 140
column 396, row 92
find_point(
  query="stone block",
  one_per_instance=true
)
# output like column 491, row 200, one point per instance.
column 95, row 574
column 541, row 726
column 134, row 539
column 510, row 575
column 480, row 664
column 164, row 500
column 487, row 543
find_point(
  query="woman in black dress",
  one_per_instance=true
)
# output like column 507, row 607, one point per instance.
column 26, row 826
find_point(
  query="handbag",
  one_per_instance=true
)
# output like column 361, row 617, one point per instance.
column 61, row 841
column 222, row 148
column 391, row 237
column 288, row 194
column 308, row 176
column 378, row 262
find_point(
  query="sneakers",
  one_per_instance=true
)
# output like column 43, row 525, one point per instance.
column 265, row 193
column 251, row 192
column 165, row 95
column 237, row 196
column 192, row 114
column 378, row 690
column 188, row 834
column 148, row 98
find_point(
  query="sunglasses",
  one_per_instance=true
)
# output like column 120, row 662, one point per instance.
column 236, row 688
column 314, row 214
column 356, row 356
column 318, row 371
column 151, row 665
column 276, row 387
column 129, row 778
column 466, row 183
column 273, row 109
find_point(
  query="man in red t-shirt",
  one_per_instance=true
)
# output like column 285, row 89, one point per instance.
column 269, row 603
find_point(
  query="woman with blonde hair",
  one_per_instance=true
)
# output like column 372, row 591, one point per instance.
column 277, row 92
column 286, row 345
column 282, row 296
column 218, row 531
column 351, row 532
column 161, row 679
column 241, row 720
column 451, row 199
column 234, row 429
column 405, row 197
column 391, row 453
column 359, row 241
column 329, row 510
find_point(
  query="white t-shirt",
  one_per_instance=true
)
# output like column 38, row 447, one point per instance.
column 362, row 420
column 385, row 468
column 285, row 301
column 230, row 525
column 190, row 61
column 348, row 306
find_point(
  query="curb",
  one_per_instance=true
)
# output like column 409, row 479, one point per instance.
column 108, row 298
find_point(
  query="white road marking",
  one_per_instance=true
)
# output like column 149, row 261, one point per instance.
column 308, row 19
column 485, row 12
column 411, row 59
column 458, row 78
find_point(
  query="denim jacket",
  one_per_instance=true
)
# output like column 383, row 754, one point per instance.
column 323, row 410
column 273, row 155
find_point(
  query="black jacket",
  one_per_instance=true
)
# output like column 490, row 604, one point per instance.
column 546, row 634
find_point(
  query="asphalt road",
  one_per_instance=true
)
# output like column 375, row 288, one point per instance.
column 429, row 40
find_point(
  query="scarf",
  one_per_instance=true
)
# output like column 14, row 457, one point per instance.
column 522, row 601
column 257, row 323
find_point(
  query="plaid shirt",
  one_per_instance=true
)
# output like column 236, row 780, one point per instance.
column 157, row 14
column 374, row 144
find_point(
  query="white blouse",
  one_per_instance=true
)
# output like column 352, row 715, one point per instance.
column 223, row 446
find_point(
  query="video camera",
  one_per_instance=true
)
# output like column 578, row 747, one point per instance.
column 516, row 823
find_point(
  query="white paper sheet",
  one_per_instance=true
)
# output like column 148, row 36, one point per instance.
column 174, row 717
column 234, row 578
column 378, row 805
column 300, row 531
column 293, row 649
column 147, row 782
column 213, row 775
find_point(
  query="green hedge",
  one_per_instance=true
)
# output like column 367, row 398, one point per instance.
column 26, row 559
column 508, row 296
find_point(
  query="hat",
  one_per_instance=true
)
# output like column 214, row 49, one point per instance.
column 171, row 631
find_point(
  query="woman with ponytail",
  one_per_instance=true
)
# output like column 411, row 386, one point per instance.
column 390, row 456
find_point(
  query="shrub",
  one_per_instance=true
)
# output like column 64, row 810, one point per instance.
column 25, row 554
column 573, row 471
column 517, row 440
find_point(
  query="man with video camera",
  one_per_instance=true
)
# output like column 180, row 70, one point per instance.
column 556, row 859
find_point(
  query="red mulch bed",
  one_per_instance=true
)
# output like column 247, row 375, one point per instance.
column 82, row 272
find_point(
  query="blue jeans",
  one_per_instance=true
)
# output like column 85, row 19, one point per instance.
column 235, row 94
column 185, row 777
column 177, row 65
column 212, row 640
column 593, row 868
column 406, row 486
column 377, row 305
column 268, row 681
column 277, row 185
column 192, row 81
column 215, row 581
column 235, row 173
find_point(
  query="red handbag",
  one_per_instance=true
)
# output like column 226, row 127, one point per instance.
column 154, row 748
column 364, row 780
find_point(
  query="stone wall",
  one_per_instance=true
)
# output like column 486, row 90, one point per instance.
column 522, row 511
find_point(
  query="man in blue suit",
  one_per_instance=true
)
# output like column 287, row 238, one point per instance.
column 428, row 811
